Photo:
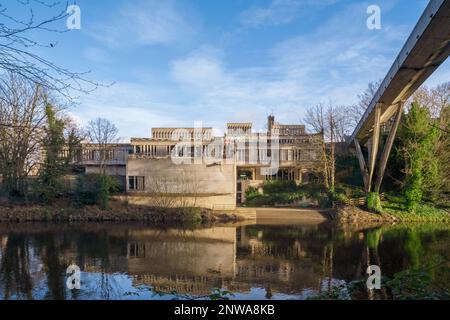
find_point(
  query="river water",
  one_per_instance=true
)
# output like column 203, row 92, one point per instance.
column 294, row 261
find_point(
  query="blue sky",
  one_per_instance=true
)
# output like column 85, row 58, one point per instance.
column 176, row 62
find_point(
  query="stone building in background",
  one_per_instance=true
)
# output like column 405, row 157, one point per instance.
column 191, row 167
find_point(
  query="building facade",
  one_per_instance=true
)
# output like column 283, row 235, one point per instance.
column 191, row 167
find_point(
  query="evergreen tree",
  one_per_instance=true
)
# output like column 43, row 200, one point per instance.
column 418, row 138
column 55, row 164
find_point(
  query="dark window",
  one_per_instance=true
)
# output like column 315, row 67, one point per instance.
column 136, row 183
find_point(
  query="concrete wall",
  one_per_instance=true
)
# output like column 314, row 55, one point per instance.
column 114, row 170
column 212, row 186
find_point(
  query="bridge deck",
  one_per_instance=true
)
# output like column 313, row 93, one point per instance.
column 426, row 49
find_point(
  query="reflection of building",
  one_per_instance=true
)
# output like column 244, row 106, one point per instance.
column 284, row 259
column 208, row 171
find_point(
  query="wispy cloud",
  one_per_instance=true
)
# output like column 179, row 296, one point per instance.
column 300, row 71
column 146, row 23
column 334, row 61
column 278, row 12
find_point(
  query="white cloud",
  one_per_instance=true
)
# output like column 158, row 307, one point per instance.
column 334, row 62
column 278, row 12
column 146, row 23
column 134, row 108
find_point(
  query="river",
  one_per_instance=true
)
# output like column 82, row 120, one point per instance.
column 135, row 261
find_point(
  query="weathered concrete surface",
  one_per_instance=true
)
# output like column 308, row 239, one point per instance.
column 288, row 216
column 207, row 186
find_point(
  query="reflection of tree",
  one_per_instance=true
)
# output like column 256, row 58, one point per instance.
column 14, row 268
column 413, row 246
column 327, row 268
column 55, row 271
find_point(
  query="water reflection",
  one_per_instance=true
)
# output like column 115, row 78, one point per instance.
column 252, row 261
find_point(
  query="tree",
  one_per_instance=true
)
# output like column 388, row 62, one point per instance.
column 102, row 133
column 332, row 122
column 55, row 164
column 434, row 99
column 418, row 137
column 356, row 111
column 20, row 22
column 443, row 152
column 22, row 116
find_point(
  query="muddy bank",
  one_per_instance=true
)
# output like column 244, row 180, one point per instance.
column 118, row 212
column 353, row 215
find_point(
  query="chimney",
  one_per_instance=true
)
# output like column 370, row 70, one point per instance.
column 270, row 122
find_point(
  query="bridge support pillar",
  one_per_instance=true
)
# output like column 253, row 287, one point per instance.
column 379, row 167
column 374, row 143
column 388, row 146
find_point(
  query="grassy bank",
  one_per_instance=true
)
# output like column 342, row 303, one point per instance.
column 395, row 206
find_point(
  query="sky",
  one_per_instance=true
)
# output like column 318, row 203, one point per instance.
column 173, row 62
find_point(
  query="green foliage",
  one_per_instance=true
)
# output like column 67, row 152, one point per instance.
column 251, row 193
column 54, row 167
column 286, row 192
column 396, row 206
column 413, row 190
column 273, row 187
column 95, row 189
column 418, row 138
column 374, row 202
column 347, row 170
column 373, row 238
column 418, row 284
column 191, row 214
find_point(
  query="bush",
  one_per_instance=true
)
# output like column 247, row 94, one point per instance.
column 271, row 187
column 374, row 202
column 251, row 193
column 95, row 189
column 325, row 201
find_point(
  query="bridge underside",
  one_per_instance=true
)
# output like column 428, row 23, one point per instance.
column 426, row 49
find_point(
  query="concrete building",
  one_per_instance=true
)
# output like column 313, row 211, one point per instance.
column 191, row 167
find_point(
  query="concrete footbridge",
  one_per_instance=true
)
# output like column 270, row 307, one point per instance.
column 427, row 47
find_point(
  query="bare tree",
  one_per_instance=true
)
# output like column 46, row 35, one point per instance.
column 102, row 133
column 333, row 123
column 22, row 117
column 356, row 111
column 17, row 45
column 434, row 99
column 163, row 190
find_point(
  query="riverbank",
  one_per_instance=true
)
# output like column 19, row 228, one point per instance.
column 118, row 212
column 391, row 214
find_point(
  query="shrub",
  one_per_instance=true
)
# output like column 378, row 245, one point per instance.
column 271, row 187
column 251, row 193
column 95, row 189
column 325, row 201
column 374, row 202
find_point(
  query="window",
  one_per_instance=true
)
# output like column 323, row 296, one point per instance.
column 136, row 183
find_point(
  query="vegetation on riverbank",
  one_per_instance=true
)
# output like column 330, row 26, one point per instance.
column 118, row 212
column 279, row 193
column 426, row 277
column 396, row 206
